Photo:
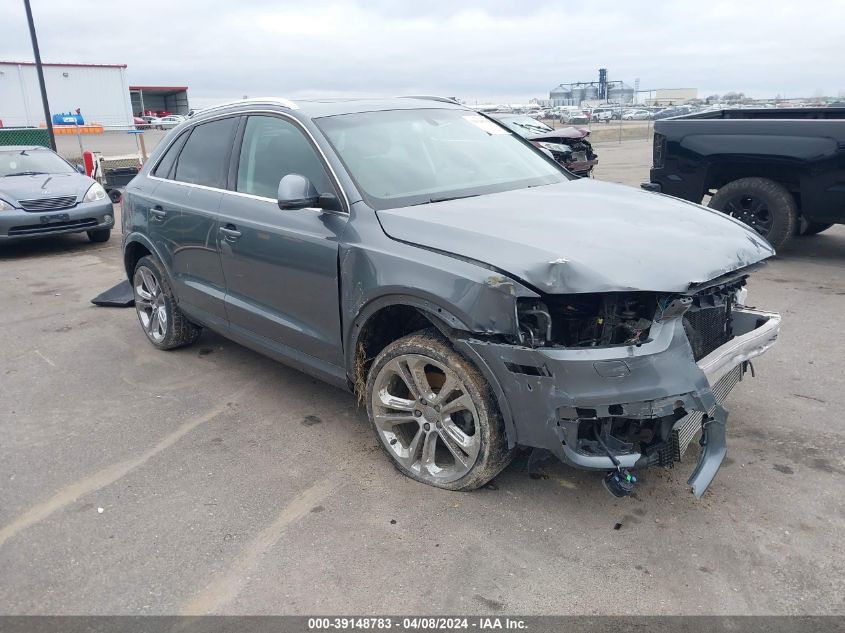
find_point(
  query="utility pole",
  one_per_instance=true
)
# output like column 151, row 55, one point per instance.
column 40, row 70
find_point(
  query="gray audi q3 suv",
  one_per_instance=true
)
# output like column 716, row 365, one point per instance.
column 472, row 292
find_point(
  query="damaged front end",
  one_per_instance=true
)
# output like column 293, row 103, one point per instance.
column 620, row 380
column 570, row 148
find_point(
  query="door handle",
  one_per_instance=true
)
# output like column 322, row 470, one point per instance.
column 230, row 232
column 157, row 213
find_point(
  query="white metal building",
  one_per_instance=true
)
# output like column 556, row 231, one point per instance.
column 100, row 91
column 672, row 96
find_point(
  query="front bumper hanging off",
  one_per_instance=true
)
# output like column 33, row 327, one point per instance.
column 550, row 392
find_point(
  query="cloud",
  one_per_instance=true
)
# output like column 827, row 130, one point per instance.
column 486, row 50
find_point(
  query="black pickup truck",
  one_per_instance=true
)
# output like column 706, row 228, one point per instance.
column 782, row 171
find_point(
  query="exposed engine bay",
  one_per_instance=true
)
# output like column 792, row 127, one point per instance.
column 625, row 318
column 573, row 152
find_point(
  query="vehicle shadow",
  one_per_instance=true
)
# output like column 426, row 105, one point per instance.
column 828, row 246
column 53, row 245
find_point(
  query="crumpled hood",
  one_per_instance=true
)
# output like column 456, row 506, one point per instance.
column 584, row 236
column 562, row 134
column 14, row 188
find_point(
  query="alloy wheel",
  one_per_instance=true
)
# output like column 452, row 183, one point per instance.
column 150, row 304
column 752, row 211
column 426, row 418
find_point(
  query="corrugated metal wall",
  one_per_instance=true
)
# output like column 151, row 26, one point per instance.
column 102, row 92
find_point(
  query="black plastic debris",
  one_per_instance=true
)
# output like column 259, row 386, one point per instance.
column 120, row 296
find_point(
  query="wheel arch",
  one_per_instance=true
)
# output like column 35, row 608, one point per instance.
column 722, row 170
column 137, row 246
column 387, row 318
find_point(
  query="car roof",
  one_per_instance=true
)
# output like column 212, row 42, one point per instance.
column 316, row 108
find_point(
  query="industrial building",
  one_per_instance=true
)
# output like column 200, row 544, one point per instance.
column 101, row 92
column 672, row 96
column 573, row 94
column 147, row 99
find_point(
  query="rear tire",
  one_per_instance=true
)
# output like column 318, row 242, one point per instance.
column 161, row 319
column 453, row 439
column 762, row 204
column 99, row 235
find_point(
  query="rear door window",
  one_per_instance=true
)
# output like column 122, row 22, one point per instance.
column 205, row 158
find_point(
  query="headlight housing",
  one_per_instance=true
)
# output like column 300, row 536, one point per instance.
column 5, row 206
column 94, row 193
column 586, row 320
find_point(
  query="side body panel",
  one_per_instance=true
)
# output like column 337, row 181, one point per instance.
column 197, row 271
column 281, row 274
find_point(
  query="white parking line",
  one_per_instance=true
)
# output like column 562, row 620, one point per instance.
column 108, row 475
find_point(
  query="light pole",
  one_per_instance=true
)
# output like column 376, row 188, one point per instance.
column 40, row 72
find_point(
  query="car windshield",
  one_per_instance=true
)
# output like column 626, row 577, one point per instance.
column 525, row 125
column 404, row 157
column 26, row 162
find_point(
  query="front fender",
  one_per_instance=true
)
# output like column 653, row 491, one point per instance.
column 461, row 295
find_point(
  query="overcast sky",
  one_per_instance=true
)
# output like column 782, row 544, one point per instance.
column 494, row 50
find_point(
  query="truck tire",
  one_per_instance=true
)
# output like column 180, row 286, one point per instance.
column 453, row 440
column 762, row 204
column 812, row 228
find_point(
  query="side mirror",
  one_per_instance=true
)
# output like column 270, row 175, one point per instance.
column 298, row 192
column 80, row 168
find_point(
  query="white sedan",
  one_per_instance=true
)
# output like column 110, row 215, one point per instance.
column 171, row 120
column 636, row 115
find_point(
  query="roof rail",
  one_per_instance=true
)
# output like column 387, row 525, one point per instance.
column 430, row 98
column 285, row 103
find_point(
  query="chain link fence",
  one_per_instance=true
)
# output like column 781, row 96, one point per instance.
column 24, row 136
column 612, row 126
column 115, row 148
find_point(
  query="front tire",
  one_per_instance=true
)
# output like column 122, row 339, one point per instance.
column 762, row 204
column 435, row 415
column 99, row 235
column 162, row 321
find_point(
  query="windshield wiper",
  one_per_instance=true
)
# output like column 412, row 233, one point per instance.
column 26, row 173
column 446, row 199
